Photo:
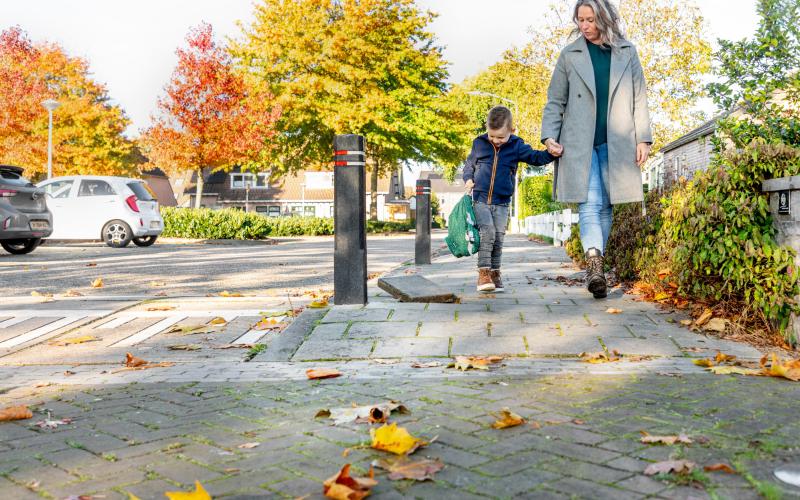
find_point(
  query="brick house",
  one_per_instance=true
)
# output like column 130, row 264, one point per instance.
column 448, row 193
column 301, row 193
column 683, row 157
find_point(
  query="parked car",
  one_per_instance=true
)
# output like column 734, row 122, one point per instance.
column 24, row 217
column 118, row 210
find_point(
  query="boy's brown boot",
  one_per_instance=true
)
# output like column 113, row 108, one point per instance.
column 485, row 283
column 595, row 279
column 498, row 282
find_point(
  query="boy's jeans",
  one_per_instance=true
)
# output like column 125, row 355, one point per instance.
column 492, row 221
column 595, row 214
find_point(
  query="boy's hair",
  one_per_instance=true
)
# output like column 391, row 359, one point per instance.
column 499, row 117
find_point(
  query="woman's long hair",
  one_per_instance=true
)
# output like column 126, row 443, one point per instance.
column 606, row 17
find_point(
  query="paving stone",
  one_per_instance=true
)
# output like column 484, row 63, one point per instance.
column 343, row 349
column 488, row 346
column 453, row 329
column 327, row 332
column 382, row 330
column 408, row 347
column 642, row 346
column 562, row 345
column 339, row 315
column 587, row 489
column 587, row 471
column 419, row 315
column 641, row 484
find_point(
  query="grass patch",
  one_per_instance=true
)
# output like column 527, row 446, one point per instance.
column 255, row 351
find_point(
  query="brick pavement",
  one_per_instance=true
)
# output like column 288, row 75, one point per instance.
column 151, row 431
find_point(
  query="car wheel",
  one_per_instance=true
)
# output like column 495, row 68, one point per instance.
column 117, row 234
column 145, row 241
column 19, row 247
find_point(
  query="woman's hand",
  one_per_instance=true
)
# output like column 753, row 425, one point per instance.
column 642, row 152
column 468, row 186
column 553, row 147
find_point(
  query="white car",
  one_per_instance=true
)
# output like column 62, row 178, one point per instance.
column 117, row 210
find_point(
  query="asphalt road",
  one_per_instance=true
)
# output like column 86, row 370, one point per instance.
column 294, row 264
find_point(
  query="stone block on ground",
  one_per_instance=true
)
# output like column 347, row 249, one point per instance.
column 415, row 288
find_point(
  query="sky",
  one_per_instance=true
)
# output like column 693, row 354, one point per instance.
column 131, row 46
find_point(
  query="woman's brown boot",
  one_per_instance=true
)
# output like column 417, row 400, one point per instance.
column 595, row 279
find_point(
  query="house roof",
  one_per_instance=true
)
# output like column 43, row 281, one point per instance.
column 703, row 130
column 288, row 187
column 441, row 185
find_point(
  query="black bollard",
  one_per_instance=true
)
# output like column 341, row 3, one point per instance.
column 422, row 246
column 349, row 209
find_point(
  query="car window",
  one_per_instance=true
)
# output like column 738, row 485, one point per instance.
column 142, row 191
column 13, row 178
column 95, row 188
column 58, row 189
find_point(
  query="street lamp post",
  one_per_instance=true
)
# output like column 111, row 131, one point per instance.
column 515, row 219
column 50, row 105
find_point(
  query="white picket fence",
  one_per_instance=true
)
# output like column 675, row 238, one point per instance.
column 556, row 225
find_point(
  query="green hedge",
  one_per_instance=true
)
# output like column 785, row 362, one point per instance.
column 230, row 224
column 536, row 196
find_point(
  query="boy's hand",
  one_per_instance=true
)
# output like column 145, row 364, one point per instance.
column 468, row 186
column 554, row 148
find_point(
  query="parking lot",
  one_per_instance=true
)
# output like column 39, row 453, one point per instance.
column 191, row 269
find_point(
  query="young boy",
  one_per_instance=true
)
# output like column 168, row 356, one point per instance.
column 489, row 173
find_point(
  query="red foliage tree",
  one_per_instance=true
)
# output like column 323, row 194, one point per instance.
column 209, row 116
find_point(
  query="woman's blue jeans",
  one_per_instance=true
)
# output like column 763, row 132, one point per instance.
column 595, row 213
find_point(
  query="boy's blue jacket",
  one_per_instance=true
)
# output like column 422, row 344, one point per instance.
column 493, row 169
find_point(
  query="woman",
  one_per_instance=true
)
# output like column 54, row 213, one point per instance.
column 596, row 119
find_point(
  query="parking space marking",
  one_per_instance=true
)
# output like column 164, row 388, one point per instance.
column 150, row 331
column 38, row 332
column 250, row 337
column 118, row 321
column 15, row 320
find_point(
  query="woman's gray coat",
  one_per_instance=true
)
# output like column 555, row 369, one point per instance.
column 569, row 118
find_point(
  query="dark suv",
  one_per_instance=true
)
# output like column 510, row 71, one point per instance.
column 24, row 217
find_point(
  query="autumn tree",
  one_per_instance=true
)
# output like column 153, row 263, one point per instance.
column 367, row 67
column 209, row 118
column 87, row 129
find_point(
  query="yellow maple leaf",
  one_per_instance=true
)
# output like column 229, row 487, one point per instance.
column 789, row 370
column 226, row 293
column 394, row 439
column 98, row 283
column 734, row 370
column 199, row 493
column 218, row 321
column 317, row 304
column 507, row 418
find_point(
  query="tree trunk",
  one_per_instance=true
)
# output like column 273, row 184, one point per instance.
column 198, row 197
column 373, row 195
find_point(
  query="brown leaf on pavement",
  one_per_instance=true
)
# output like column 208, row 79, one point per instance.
column 185, row 347
column 319, row 373
column 39, row 294
column 91, row 264
column 98, row 283
column 789, row 370
column 707, row 363
column 719, row 468
column 248, row 446
column 507, row 418
column 161, row 308
column 72, row 293
column 723, row 358
column 716, row 325
column 670, row 440
column 341, row 486
column 704, row 317
column 132, row 361
column 15, row 413
column 600, row 357
column 464, row 363
column 613, row 310
column 377, row 413
column 669, row 466
column 406, row 468
column 430, row 364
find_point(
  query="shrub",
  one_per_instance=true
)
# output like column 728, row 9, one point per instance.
column 237, row 225
column 536, row 196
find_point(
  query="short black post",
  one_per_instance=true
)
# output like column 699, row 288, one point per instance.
column 349, row 209
column 422, row 246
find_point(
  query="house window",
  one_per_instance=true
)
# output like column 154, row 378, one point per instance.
column 274, row 211
column 310, row 211
column 332, row 212
column 297, row 210
column 256, row 181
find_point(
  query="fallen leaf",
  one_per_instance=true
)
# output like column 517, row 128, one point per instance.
column 704, row 362
column 157, row 283
column 199, row 493
column 789, row 370
column 43, row 384
column 266, row 324
column 661, row 296
column 704, row 317
column 218, row 321
column 161, row 294
column 464, row 363
column 91, row 264
column 318, row 304
column 194, row 330
column 716, row 325
column 670, row 440
column 535, row 425
column 72, row 293
column 231, row 470
column 430, row 364
column 599, row 357
column 377, row 413
column 578, row 421
column 694, row 349
column 132, row 361
column 74, row 340
column 394, row 439
column 613, row 310
column 719, row 468
column 226, row 293
column 98, row 283
column 380, row 361
column 664, row 273
column 723, row 358
column 507, row 418
column 15, row 413
column 161, row 308
column 669, row 466
column 185, row 347
column 406, row 468
column 248, row 446
column 39, row 294
column 686, row 322
column 341, row 486
column 734, row 370
column 318, row 373
column 52, row 424
column 67, row 373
